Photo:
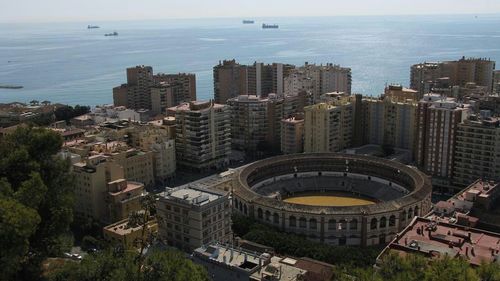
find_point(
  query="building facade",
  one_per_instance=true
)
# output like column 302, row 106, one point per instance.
column 292, row 134
column 203, row 135
column 437, row 122
column 190, row 217
column 426, row 76
column 156, row 93
column 477, row 150
column 255, row 122
column 328, row 127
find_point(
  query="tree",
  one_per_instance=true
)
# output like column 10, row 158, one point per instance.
column 68, row 112
column 37, row 185
column 110, row 265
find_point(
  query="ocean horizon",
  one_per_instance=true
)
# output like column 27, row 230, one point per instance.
column 68, row 63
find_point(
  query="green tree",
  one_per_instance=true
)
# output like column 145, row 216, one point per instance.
column 111, row 265
column 37, row 184
column 489, row 271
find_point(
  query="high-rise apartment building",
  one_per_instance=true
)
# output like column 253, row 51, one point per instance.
column 292, row 134
column 389, row 122
column 185, row 83
column 144, row 90
column 437, row 122
column 477, row 150
column 136, row 93
column 328, row 127
column 203, row 134
column 426, row 76
column 255, row 122
column 496, row 82
column 319, row 79
column 232, row 79
column 190, row 217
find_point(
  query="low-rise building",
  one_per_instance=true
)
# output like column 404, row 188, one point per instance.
column 435, row 239
column 189, row 217
column 127, row 235
column 226, row 262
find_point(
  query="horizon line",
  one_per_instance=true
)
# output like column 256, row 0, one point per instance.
column 245, row 17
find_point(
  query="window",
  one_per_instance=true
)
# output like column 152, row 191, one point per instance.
column 292, row 221
column 353, row 224
column 302, row 223
column 312, row 223
column 332, row 224
column 259, row 213
column 392, row 220
column 342, row 224
column 268, row 216
column 383, row 222
column 276, row 218
column 373, row 223
column 410, row 213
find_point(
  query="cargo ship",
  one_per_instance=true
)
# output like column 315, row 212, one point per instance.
column 92, row 26
column 248, row 22
column 270, row 26
column 3, row 86
column 111, row 34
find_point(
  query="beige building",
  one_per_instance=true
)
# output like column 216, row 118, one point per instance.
column 477, row 150
column 127, row 235
column 122, row 198
column 292, row 134
column 328, row 127
column 185, row 84
column 137, row 165
column 203, row 135
column 189, row 217
column 426, row 76
column 437, row 122
column 101, row 193
column 496, row 82
column 389, row 122
column 319, row 79
column 158, row 140
column 232, row 79
column 146, row 91
column 255, row 122
column 400, row 94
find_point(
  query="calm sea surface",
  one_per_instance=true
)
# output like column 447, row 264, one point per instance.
column 66, row 62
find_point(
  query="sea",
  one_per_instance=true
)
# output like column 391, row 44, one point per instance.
column 68, row 63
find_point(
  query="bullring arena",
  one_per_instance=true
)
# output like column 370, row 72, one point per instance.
column 333, row 198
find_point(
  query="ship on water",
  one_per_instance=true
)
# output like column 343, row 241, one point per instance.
column 111, row 34
column 248, row 22
column 92, row 26
column 269, row 26
column 5, row 86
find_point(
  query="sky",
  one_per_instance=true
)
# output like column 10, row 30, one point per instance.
column 100, row 10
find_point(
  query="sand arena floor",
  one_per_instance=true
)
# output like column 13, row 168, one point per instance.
column 329, row 200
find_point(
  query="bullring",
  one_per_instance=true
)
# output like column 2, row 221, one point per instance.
column 386, row 195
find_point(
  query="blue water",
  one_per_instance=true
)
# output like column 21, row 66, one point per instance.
column 67, row 63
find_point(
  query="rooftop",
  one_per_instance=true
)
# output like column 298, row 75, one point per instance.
column 436, row 239
column 233, row 257
column 192, row 195
column 480, row 188
column 123, row 228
